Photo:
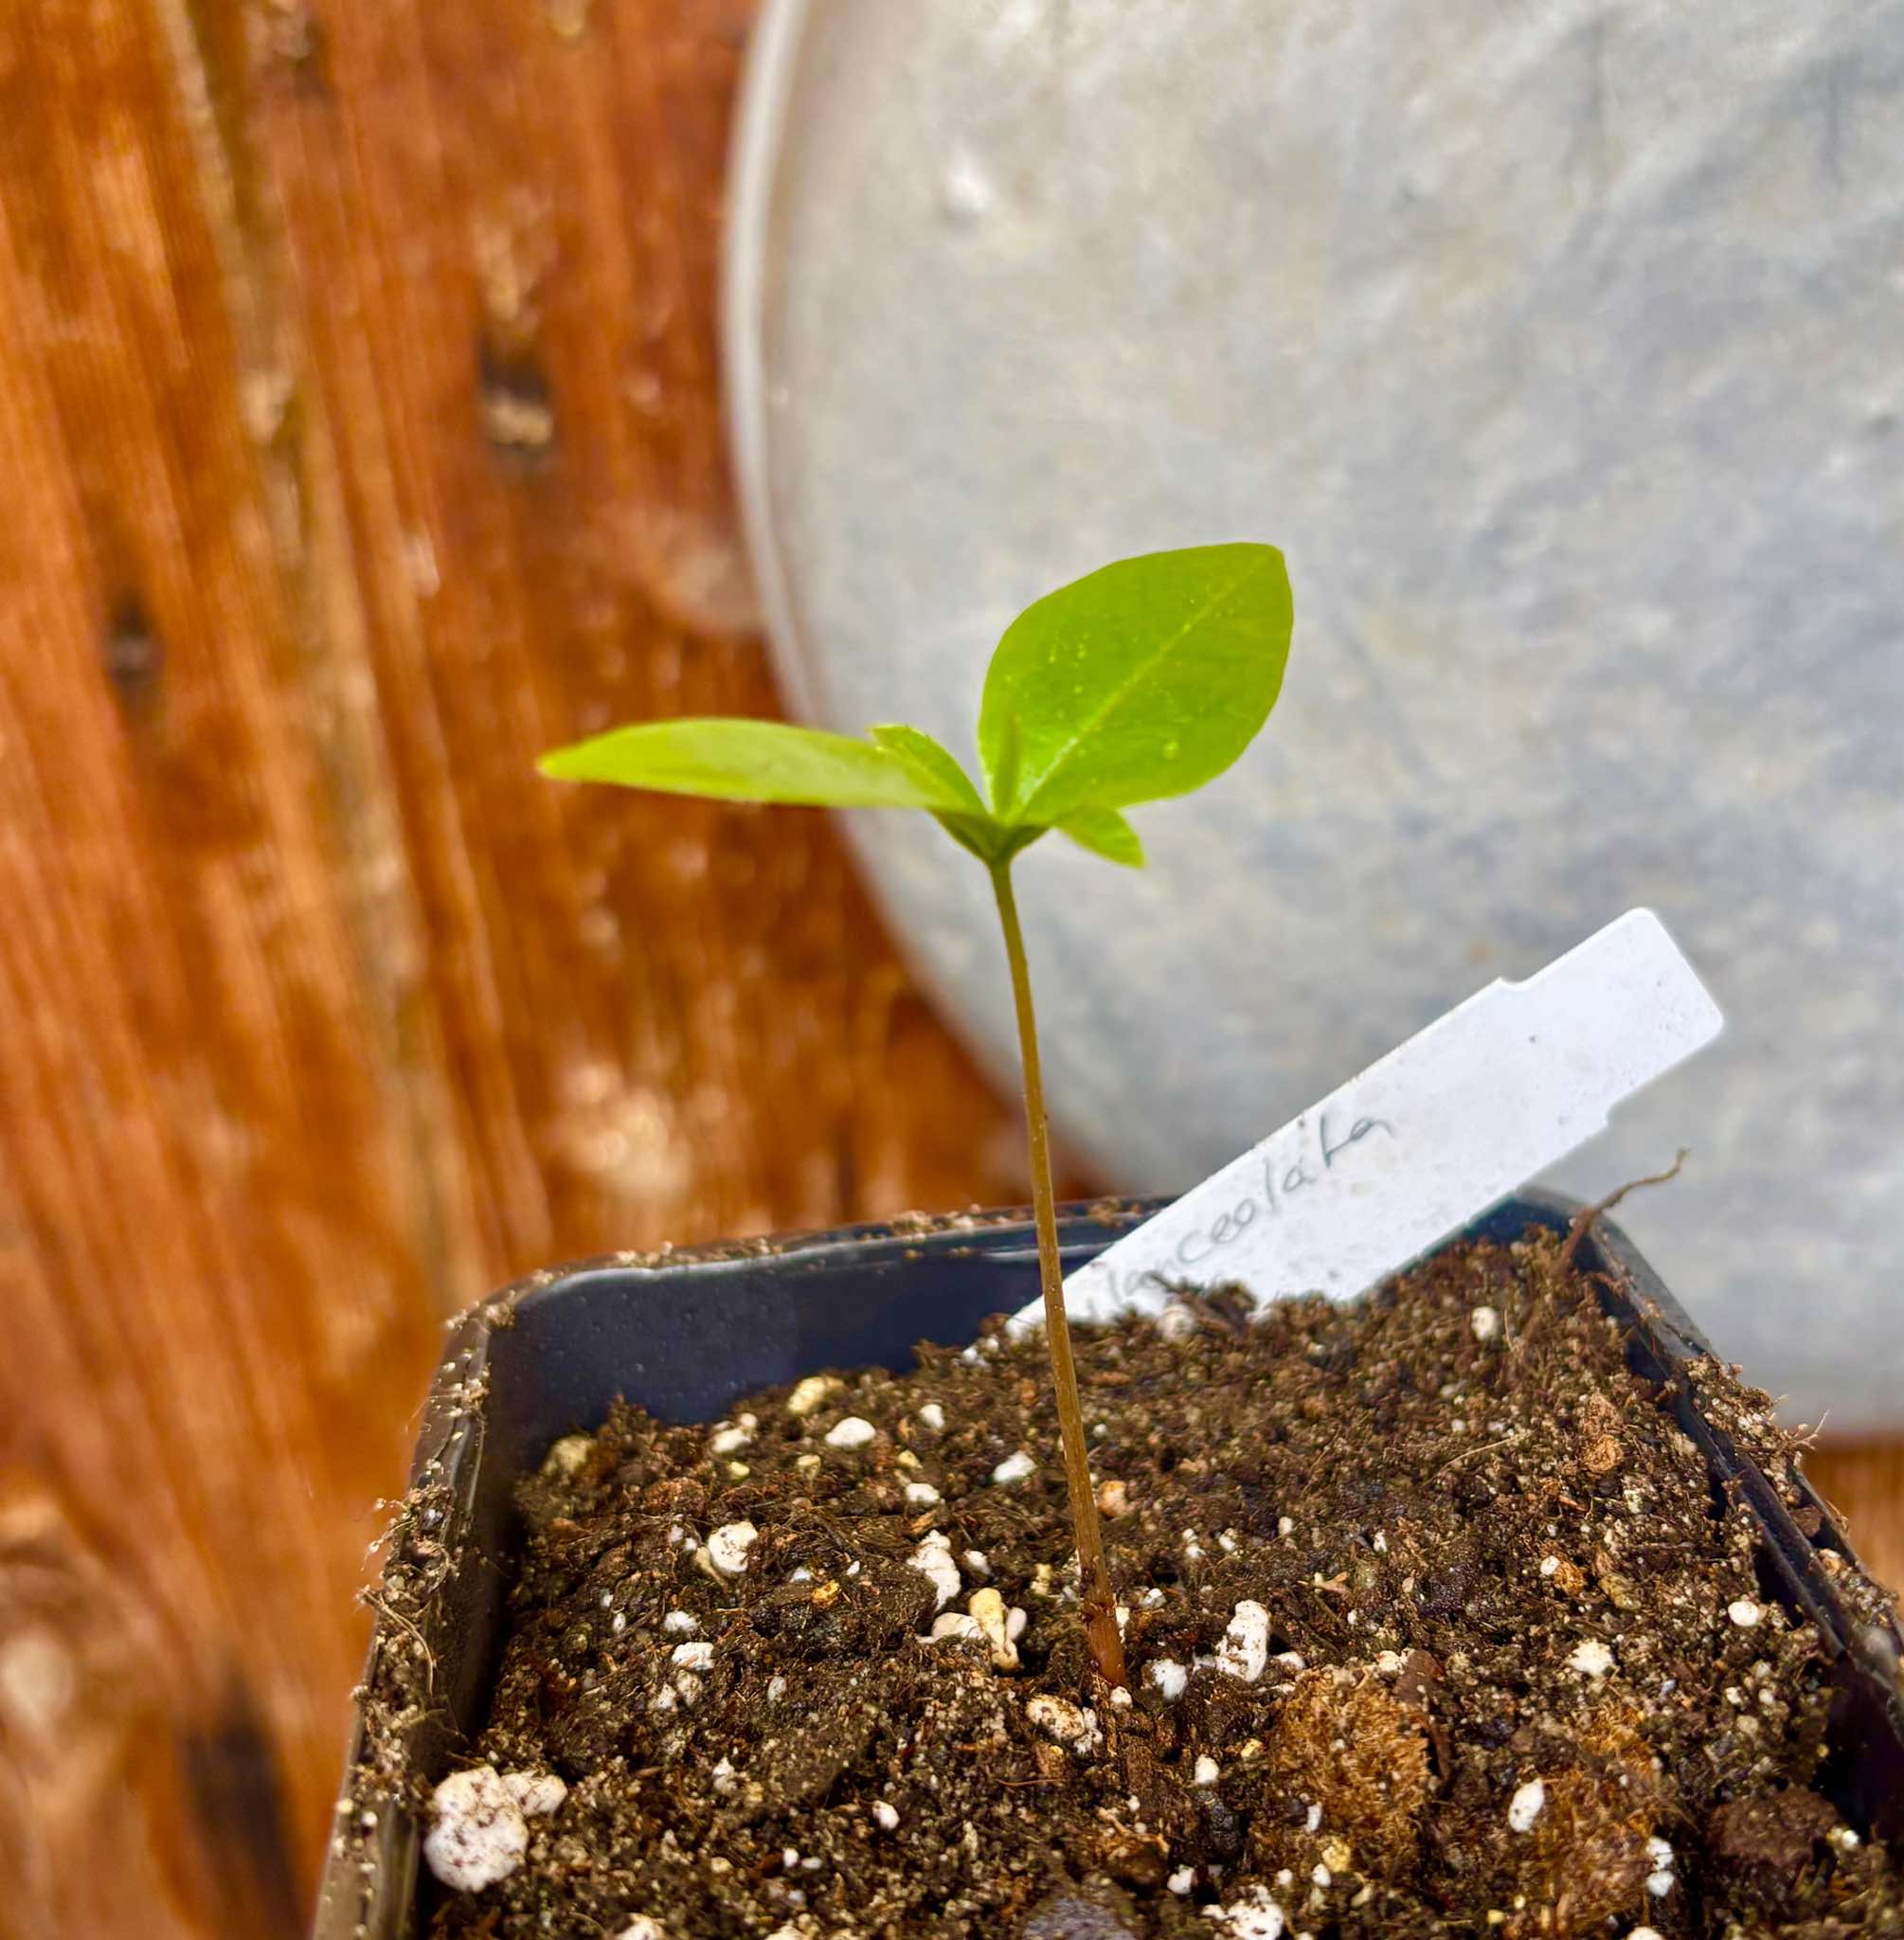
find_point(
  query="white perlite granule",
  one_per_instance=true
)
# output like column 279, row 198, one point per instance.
column 809, row 1394
column 478, row 1835
column 1256, row 1919
column 851, row 1431
column 1244, row 1648
column 1068, row 1724
column 1593, row 1658
column 566, row 1456
column 1526, row 1805
column 728, row 1546
column 994, row 1621
column 933, row 1560
column 1168, row 1677
column 537, row 1793
column 1014, row 1468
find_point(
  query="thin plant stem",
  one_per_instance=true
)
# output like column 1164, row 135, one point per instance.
column 1100, row 1604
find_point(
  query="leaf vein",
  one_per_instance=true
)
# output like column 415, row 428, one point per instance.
column 1257, row 563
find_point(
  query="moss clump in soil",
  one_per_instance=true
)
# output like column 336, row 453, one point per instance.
column 1433, row 1625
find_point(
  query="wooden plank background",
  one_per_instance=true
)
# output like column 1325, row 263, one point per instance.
column 361, row 438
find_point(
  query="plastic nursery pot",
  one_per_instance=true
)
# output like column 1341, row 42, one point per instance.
column 686, row 1334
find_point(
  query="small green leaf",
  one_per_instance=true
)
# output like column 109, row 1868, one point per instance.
column 929, row 763
column 1145, row 679
column 748, row 760
column 998, row 753
column 1104, row 831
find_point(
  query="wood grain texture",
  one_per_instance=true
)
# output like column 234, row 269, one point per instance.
column 358, row 392
column 359, row 409
column 1863, row 1481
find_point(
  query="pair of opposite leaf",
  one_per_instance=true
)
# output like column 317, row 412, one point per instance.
column 1145, row 679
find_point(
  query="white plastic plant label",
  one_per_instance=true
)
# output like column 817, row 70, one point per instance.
column 1426, row 1139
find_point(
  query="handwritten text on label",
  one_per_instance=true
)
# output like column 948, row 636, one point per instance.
column 1310, row 1153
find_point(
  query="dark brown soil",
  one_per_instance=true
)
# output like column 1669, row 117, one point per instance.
column 1521, row 1678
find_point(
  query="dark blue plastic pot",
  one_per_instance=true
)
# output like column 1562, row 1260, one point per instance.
column 686, row 1334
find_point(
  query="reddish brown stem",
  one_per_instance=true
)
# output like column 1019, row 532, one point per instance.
column 1100, row 1604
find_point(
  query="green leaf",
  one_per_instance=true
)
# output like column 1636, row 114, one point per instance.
column 1145, row 679
column 929, row 763
column 1104, row 831
column 999, row 756
column 748, row 760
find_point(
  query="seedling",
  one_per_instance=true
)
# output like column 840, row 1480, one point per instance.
column 1143, row 681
